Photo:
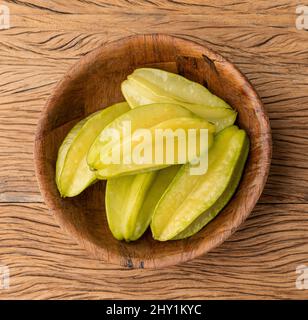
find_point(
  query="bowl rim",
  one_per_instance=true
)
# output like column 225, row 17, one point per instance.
column 43, row 181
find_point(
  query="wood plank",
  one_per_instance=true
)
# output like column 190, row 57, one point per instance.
column 260, row 37
column 37, row 51
column 251, row 37
column 259, row 261
column 53, row 7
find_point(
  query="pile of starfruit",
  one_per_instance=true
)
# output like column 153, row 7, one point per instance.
column 167, row 195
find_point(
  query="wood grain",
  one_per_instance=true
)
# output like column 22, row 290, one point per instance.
column 259, row 37
column 259, row 261
column 44, row 54
column 32, row 7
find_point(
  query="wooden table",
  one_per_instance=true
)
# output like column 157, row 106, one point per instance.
column 260, row 37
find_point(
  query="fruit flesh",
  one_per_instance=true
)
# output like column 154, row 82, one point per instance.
column 72, row 172
column 138, row 92
column 162, row 180
column 130, row 201
column 124, row 197
column 102, row 150
column 63, row 150
column 113, row 170
column 211, row 213
column 187, row 197
column 143, row 117
column 179, row 202
column 177, row 87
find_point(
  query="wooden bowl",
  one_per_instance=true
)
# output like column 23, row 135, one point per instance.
column 94, row 83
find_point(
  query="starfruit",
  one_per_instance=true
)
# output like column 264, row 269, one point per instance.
column 211, row 213
column 72, row 172
column 189, row 196
column 130, row 201
column 115, row 157
column 148, row 86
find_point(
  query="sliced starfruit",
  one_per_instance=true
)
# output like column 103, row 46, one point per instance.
column 177, row 87
column 143, row 117
column 122, row 156
column 138, row 91
column 162, row 180
column 211, row 213
column 188, row 196
column 72, row 172
column 124, row 197
column 130, row 201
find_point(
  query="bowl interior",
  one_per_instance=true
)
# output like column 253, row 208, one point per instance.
column 94, row 83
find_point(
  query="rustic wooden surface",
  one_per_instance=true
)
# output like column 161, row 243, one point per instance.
column 45, row 39
column 83, row 92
